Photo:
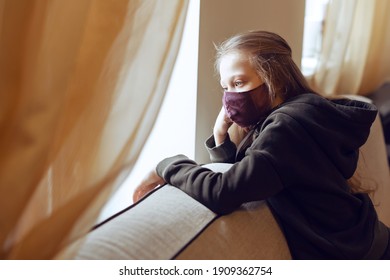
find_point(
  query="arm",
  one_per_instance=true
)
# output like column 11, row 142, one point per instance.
column 257, row 176
column 254, row 178
column 219, row 146
column 225, row 152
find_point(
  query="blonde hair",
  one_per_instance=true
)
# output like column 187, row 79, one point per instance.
column 271, row 56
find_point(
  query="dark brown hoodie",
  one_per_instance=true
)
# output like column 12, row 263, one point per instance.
column 298, row 159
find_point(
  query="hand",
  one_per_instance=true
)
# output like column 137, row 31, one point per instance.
column 222, row 124
column 149, row 183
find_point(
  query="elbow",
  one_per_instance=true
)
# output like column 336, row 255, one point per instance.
column 223, row 211
column 223, row 205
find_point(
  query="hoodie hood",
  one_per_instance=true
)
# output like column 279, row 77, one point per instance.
column 339, row 126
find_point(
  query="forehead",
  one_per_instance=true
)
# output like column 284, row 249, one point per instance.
column 235, row 63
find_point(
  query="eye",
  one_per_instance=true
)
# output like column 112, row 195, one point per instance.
column 224, row 88
column 238, row 83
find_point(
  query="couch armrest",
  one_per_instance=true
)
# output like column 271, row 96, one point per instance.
column 155, row 228
column 169, row 224
column 249, row 233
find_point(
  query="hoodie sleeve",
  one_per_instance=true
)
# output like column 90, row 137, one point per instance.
column 285, row 155
column 226, row 152
column 252, row 178
column 222, row 192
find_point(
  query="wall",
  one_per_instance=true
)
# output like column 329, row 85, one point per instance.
column 220, row 19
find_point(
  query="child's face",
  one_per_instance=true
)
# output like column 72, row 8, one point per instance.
column 237, row 73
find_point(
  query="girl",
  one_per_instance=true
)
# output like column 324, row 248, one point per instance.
column 298, row 153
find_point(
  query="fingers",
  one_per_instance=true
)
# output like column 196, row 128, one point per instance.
column 142, row 190
column 150, row 182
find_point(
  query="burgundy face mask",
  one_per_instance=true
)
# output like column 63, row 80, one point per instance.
column 249, row 107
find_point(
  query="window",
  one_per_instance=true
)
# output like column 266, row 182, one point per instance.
column 312, row 37
column 174, row 130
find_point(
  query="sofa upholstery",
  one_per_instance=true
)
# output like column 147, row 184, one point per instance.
column 155, row 228
column 168, row 224
column 381, row 98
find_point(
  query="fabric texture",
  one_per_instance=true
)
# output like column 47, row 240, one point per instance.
column 71, row 80
column 178, row 220
column 249, row 233
column 168, row 224
column 247, row 108
column 353, row 57
column 300, row 162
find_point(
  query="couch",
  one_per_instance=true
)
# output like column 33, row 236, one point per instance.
column 168, row 224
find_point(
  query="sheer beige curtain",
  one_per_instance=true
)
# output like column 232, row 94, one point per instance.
column 355, row 57
column 81, row 82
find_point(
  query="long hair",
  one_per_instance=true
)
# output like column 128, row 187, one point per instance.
column 271, row 56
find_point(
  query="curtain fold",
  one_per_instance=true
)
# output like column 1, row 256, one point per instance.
column 354, row 57
column 81, row 83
